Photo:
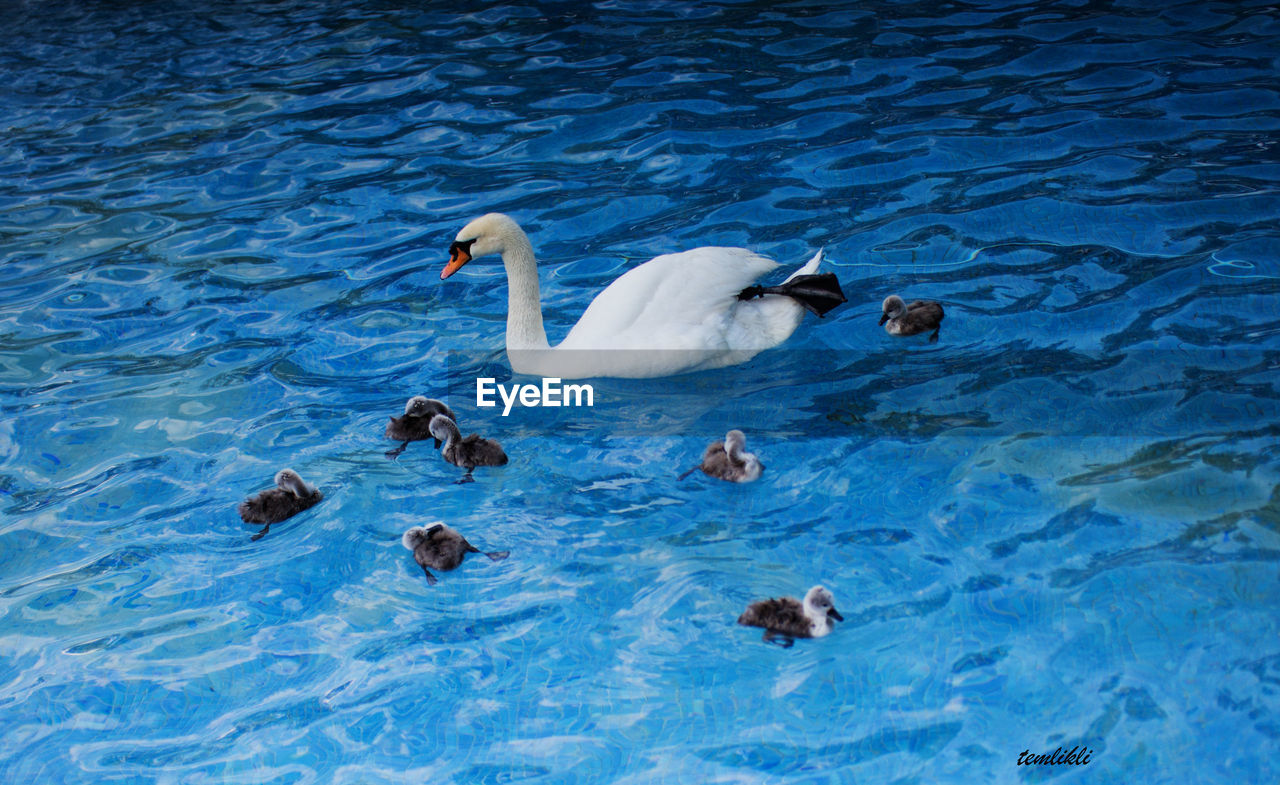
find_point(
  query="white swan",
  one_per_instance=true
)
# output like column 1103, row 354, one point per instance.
column 675, row 313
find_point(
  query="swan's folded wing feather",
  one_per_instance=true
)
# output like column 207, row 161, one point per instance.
column 668, row 302
column 785, row 615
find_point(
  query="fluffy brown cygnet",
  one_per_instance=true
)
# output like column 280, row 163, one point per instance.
column 919, row 317
column 728, row 460
column 441, row 548
column 415, row 424
column 787, row 618
column 465, row 453
column 290, row 497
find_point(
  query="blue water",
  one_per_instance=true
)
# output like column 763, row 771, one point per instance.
column 221, row 230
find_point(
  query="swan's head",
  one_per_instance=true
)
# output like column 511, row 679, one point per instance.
column 442, row 428
column 735, row 442
column 488, row 234
column 421, row 406
column 893, row 308
column 413, row 536
column 820, row 606
column 418, row 535
column 288, row 479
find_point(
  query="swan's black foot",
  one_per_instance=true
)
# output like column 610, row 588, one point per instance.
column 934, row 338
column 465, row 479
column 431, row 579
column 686, row 474
column 498, row 555
column 260, row 534
column 393, row 454
column 818, row 294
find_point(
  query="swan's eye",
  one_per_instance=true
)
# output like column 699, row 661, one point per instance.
column 460, row 248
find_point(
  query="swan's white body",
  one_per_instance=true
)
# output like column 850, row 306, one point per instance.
column 673, row 314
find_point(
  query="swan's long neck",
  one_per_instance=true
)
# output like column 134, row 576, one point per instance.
column 734, row 447
column 524, row 303
column 451, row 434
column 295, row 485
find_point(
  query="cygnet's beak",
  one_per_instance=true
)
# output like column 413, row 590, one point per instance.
column 883, row 317
column 438, row 442
column 834, row 614
column 458, row 256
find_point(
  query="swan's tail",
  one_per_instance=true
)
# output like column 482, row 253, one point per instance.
column 810, row 267
column 817, row 293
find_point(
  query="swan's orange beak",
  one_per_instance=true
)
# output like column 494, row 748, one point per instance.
column 459, row 254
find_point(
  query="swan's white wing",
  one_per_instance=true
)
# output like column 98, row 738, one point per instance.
column 673, row 314
column 675, row 301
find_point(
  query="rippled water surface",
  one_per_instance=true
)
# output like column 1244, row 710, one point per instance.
column 1059, row 526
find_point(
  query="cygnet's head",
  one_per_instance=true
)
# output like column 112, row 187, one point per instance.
column 892, row 308
column 442, row 428
column 417, row 406
column 488, row 234
column 288, row 479
column 820, row 604
column 415, row 535
column 735, row 442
